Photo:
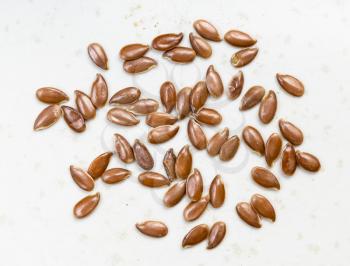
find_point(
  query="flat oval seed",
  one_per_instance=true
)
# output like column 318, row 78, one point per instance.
column 139, row 65
column 115, row 175
column 291, row 84
column 214, row 82
column 199, row 96
column 183, row 165
column 201, row 46
column 168, row 96
column 252, row 97
column 84, row 105
column 289, row 160
column 125, row 96
column 265, row 178
column 263, row 206
column 99, row 92
column 253, row 139
column 153, row 228
column 194, row 185
column 142, row 155
column 268, row 107
column 207, row 30
column 196, row 235
column 99, row 165
column 47, row 117
column 153, row 179
column 273, row 148
column 244, row 57
column 167, row 41
column 195, row 209
column 162, row 134
column 123, row 149
column 229, row 149
column 239, row 38
column 196, row 135
column 216, row 234
column 98, row 55
column 180, row 54
column 217, row 192
column 248, row 214
column 74, row 119
column 156, row 119
column 174, row 195
column 208, row 116
column 143, row 106
column 122, row 117
column 86, row 205
column 169, row 161
column 236, row 85
column 51, row 95
column 82, row 178
column 216, row 141
column 308, row 161
column 183, row 102
column 133, row 51
column 290, row 132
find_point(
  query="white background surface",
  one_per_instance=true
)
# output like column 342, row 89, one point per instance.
column 44, row 43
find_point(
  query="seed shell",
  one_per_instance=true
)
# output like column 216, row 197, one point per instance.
column 123, row 149
column 214, row 82
column 167, row 41
column 143, row 157
column 207, row 30
column 99, row 165
column 265, row 178
column 273, row 148
column 239, row 38
column 201, row 46
column 216, row 234
column 236, row 85
column 125, row 96
column 162, row 134
column 290, row 132
column 229, row 149
column 86, row 205
column 84, row 105
column 153, row 179
column 98, row 55
column 308, row 161
column 139, row 65
column 183, row 165
column 115, row 175
column 169, row 161
column 268, row 107
column 47, row 117
column 194, row 185
column 168, row 96
column 263, row 206
column 253, row 139
column 208, row 116
column 289, row 160
column 244, row 57
column 156, row 119
column 291, row 84
column 196, row 135
column 252, row 97
column 153, row 228
column 183, row 102
column 217, row 192
column 122, row 117
column 174, row 194
column 180, row 54
column 82, row 178
column 74, row 119
column 195, row 209
column 196, row 235
column 199, row 96
column 133, row 51
column 51, row 95
column 99, row 92
column 248, row 214
column 143, row 106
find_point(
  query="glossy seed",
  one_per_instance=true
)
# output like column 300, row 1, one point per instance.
column 143, row 157
column 248, row 214
column 196, row 135
column 291, row 84
column 263, row 206
column 84, row 105
column 139, row 65
column 199, row 96
column 183, row 102
column 273, row 148
column 196, row 235
column 99, row 92
column 216, row 234
column 143, row 106
column 244, row 57
column 169, row 161
column 82, row 178
column 167, row 41
column 207, row 30
column 115, row 175
column 162, row 134
column 86, row 205
column 201, row 46
column 229, row 149
column 125, row 96
column 194, row 185
column 174, row 195
column 216, row 141
column 47, row 117
column 265, row 178
column 239, row 38
column 183, row 165
column 153, row 228
column 168, row 96
column 208, row 116
column 51, row 95
column 289, row 160
column 236, row 85
column 308, row 161
column 195, row 209
column 252, row 97
column 74, row 119
column 268, row 107
column 133, row 51
column 98, row 55
column 122, row 117
column 123, row 149
column 253, row 139
column 290, row 132
column 156, row 119
column 214, row 82
column 217, row 192
column 99, row 165
column 153, row 179
column 180, row 54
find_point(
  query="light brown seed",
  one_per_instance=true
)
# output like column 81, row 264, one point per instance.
column 248, row 214
column 196, row 235
column 99, row 92
column 229, row 149
column 125, row 96
column 195, row 209
column 143, row 106
column 290, row 132
column 194, row 185
column 115, row 175
column 273, row 148
column 263, row 206
column 99, row 165
column 236, row 85
column 180, row 54
column 201, row 46
column 167, row 41
column 216, row 141
column 98, row 55
column 183, row 165
column 291, row 84
column 289, row 160
column 208, row 116
column 217, row 192
column 143, row 157
column 153, row 179
column 216, row 234
column 153, row 228
column 199, row 96
column 253, row 139
column 168, row 96
column 86, row 205
column 308, row 161
column 162, row 134
column 123, row 149
column 169, row 161
column 244, row 57
column 156, row 119
column 207, row 30
column 252, row 97
column 183, row 102
column 74, row 119
column 174, row 194
column 139, row 65
column 265, row 178
column 239, row 38
column 47, row 117
column 196, row 135
column 51, row 95
column 84, row 105
column 82, row 178
column 268, row 107
column 122, row 117
column 214, row 82
column 133, row 51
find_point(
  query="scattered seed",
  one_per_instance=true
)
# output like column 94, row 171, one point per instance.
column 273, row 148
column 180, row 54
column 196, row 235
column 156, row 119
column 208, row 116
column 82, row 178
column 99, row 165
column 194, row 185
column 308, row 161
column 167, row 41
column 216, row 141
column 248, row 214
column 214, row 82
column 196, row 135
column 290, row 132
column 123, row 149
column 125, row 96
column 289, row 160
column 183, row 165
column 153, row 228
column 84, row 105
column 168, row 96
column 263, row 206
column 253, row 139
column 122, row 117
column 115, row 175
column 217, row 192
column 153, row 179
column 139, row 65
column 98, row 55
column 195, row 209
column 51, row 95
column 142, row 155
column 265, row 178
column 174, row 194
column 239, row 38
column 47, row 117
column 291, row 84
column 99, row 92
column 162, row 134
column 86, row 205
column 252, row 97
column 199, row 96
column 201, row 46
column 268, row 107
column 207, row 30
column 133, row 51
column 183, row 102
column 169, row 161
column 74, row 119
column 143, row 106
column 216, row 234
column 229, row 149
column 236, row 85
column 244, row 57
